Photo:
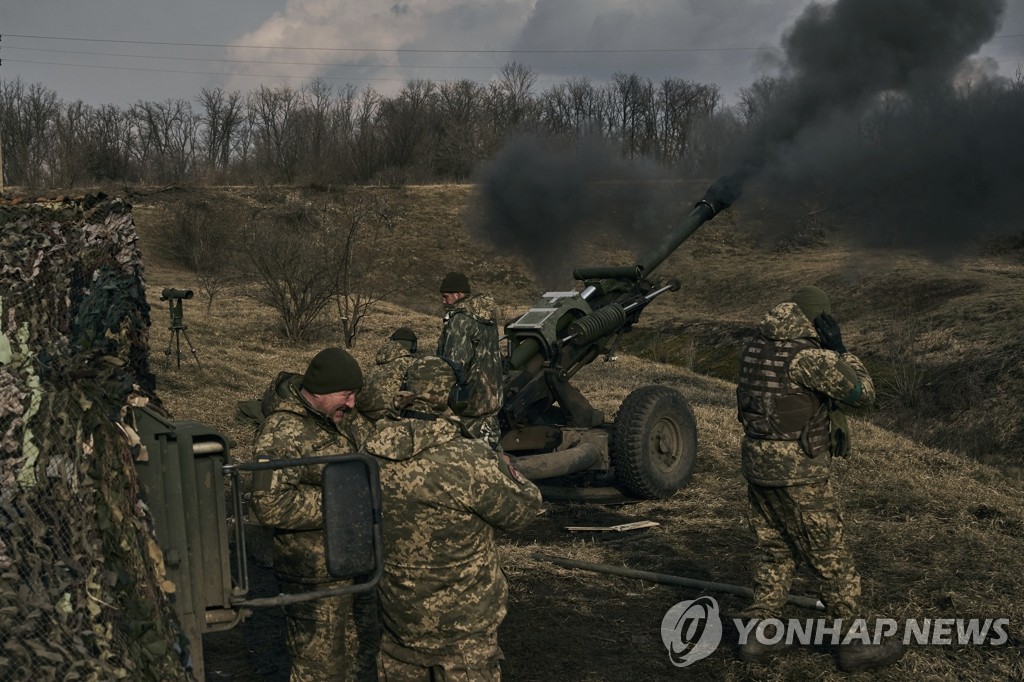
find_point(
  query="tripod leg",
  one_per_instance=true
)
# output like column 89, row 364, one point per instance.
column 192, row 348
column 170, row 346
column 177, row 345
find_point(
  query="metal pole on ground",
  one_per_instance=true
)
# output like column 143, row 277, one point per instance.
column 666, row 579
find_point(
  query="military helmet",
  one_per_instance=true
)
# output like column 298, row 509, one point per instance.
column 406, row 337
column 431, row 379
column 812, row 301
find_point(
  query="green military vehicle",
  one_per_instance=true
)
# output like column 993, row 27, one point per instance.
column 186, row 471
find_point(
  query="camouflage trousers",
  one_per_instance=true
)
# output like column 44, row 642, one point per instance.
column 478, row 662
column 794, row 525
column 335, row 638
column 485, row 427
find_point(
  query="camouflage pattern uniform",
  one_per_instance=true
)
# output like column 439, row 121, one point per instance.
column 289, row 500
column 469, row 337
column 443, row 593
column 390, row 364
column 793, row 512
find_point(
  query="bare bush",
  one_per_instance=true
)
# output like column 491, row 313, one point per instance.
column 292, row 259
column 904, row 378
column 203, row 239
column 345, row 252
column 368, row 268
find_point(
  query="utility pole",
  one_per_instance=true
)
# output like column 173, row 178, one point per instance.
column 1, row 139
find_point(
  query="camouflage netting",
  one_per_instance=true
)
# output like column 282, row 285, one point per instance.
column 82, row 590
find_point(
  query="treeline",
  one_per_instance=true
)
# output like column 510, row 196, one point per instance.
column 321, row 134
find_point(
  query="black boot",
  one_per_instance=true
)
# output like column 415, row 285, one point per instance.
column 857, row 656
column 754, row 651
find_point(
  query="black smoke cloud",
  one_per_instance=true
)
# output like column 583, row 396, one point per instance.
column 885, row 115
column 546, row 203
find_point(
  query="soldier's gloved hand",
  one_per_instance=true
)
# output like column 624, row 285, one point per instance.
column 829, row 333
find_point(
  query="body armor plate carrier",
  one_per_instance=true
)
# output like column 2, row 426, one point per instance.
column 771, row 406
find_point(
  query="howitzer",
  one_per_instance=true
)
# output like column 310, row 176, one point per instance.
column 550, row 426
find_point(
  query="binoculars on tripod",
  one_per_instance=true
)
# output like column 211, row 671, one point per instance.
column 169, row 294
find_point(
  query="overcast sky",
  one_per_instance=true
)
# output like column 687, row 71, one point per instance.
column 122, row 51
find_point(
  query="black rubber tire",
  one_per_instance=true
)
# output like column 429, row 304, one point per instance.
column 654, row 443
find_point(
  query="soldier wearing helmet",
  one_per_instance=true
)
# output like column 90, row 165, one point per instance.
column 794, row 377
column 443, row 593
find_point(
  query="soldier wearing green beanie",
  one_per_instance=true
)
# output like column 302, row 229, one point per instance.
column 469, row 338
column 313, row 416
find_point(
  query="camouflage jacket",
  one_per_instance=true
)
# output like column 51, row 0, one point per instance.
column 469, row 336
column 832, row 376
column 443, row 589
column 289, row 499
column 384, row 380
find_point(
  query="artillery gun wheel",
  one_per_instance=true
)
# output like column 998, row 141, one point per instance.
column 654, row 443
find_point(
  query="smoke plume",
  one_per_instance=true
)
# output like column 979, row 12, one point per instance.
column 545, row 204
column 883, row 114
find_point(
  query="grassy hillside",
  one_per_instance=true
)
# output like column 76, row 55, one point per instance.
column 936, row 531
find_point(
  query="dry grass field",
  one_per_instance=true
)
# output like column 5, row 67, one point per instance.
column 933, row 495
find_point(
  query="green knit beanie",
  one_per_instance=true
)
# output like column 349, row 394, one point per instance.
column 455, row 283
column 812, row 301
column 331, row 371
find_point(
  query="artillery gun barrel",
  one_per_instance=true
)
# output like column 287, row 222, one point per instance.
column 722, row 193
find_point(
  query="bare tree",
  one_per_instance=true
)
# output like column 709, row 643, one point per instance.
column 293, row 260
column 222, row 119
column 278, row 138
column 203, row 239
column 369, row 270
column 108, row 144
column 167, row 139
column 26, row 115
column 756, row 99
column 69, row 144
column 404, row 123
column 458, row 128
column 679, row 105
column 364, row 147
column 632, row 98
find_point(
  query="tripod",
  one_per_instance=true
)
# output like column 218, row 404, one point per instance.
column 178, row 329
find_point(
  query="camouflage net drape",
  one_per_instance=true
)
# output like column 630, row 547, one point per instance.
column 82, row 590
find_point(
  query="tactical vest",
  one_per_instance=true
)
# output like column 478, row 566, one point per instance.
column 771, row 406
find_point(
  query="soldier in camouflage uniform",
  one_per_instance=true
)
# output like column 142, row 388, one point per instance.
column 469, row 337
column 793, row 377
column 391, row 360
column 312, row 417
column 443, row 593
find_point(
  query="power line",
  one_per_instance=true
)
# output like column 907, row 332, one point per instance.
column 331, row 64
column 420, row 50
column 398, row 49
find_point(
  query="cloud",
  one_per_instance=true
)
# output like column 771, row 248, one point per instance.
column 525, row 25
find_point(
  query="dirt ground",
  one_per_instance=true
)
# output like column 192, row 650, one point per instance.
column 562, row 624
